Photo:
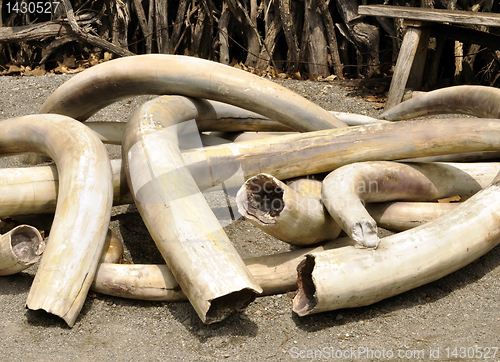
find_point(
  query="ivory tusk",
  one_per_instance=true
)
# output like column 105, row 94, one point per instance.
column 284, row 213
column 229, row 119
column 346, row 189
column 401, row 216
column 20, row 248
column 112, row 251
column 290, row 156
column 458, row 157
column 190, row 238
column 349, row 277
column 474, row 100
column 33, row 190
column 83, row 209
column 284, row 157
column 275, row 273
column 307, row 186
column 103, row 84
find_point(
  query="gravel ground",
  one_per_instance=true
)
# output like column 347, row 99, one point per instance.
column 458, row 311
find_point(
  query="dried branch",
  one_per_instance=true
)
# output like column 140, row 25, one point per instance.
column 89, row 38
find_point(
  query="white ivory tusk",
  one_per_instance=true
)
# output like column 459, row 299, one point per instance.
column 20, row 248
column 33, row 190
column 83, row 208
column 103, row 84
column 275, row 273
column 190, row 238
column 474, row 100
column 346, row 189
column 283, row 157
column 284, row 213
column 349, row 277
column 401, row 216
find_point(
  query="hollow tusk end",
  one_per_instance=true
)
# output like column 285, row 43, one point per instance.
column 364, row 233
column 220, row 308
column 20, row 248
column 70, row 322
column 304, row 301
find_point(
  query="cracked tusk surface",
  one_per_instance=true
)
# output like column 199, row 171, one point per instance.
column 190, row 238
column 349, row 277
column 83, row 209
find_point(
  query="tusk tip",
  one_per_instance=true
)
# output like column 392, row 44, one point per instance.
column 364, row 233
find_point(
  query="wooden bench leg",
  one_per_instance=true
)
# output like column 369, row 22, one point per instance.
column 410, row 64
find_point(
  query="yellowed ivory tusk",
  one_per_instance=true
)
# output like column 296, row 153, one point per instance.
column 83, row 209
column 401, row 216
column 20, row 248
column 349, row 277
column 33, row 190
column 284, row 213
column 275, row 273
column 346, row 189
column 284, row 157
column 475, row 100
column 103, row 84
column 179, row 219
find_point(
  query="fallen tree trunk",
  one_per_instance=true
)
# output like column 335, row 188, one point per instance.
column 41, row 31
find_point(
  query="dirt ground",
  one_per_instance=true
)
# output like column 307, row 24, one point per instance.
column 454, row 318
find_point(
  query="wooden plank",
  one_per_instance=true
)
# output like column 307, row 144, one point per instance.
column 417, row 68
column 404, row 64
column 434, row 15
column 466, row 35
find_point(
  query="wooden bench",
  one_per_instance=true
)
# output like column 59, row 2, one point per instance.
column 409, row 68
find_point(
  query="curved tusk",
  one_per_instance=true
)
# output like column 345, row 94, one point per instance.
column 103, row 84
column 349, row 277
column 401, row 216
column 20, row 248
column 179, row 219
column 475, row 100
column 83, row 208
column 284, row 157
column 346, row 189
column 275, row 273
column 284, row 213
column 112, row 251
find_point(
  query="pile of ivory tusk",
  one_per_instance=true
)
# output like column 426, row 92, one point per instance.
column 274, row 148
